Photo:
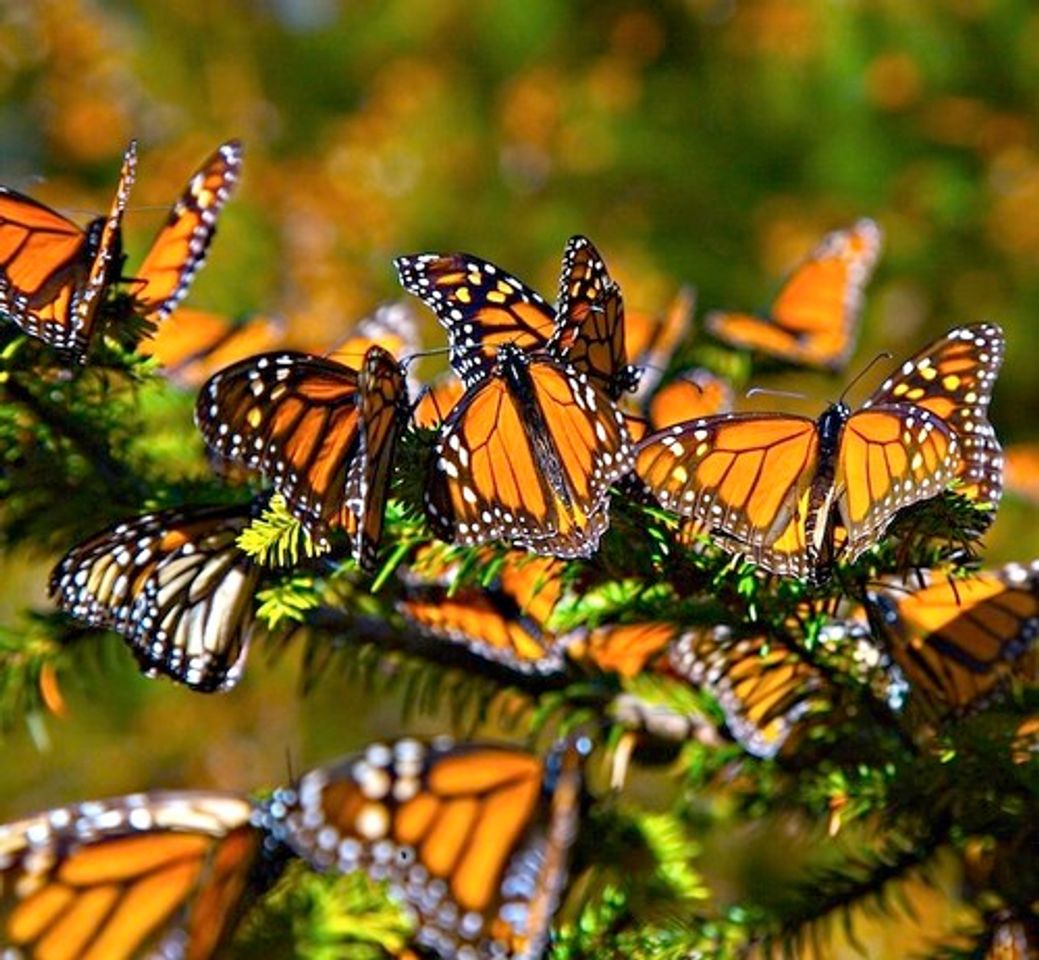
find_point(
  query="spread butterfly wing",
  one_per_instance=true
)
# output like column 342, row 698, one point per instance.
column 473, row 837
column 624, row 649
column 295, row 417
column 958, row 642
column 115, row 879
column 480, row 305
column 436, row 402
column 746, row 476
column 890, row 457
column 528, row 456
column 813, row 319
column 179, row 250
column 53, row 275
column 589, row 334
column 175, row 584
column 952, row 379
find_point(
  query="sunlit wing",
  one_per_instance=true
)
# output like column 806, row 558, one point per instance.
column 473, row 837
column 624, row 649
column 199, row 344
column 437, row 401
column 766, row 689
column 175, row 584
column 689, row 396
column 179, row 250
column 890, row 457
column 528, row 456
column 953, row 378
column 746, row 476
column 589, row 332
column 960, row 641
column 814, row 318
column 162, row 874
column 480, row 305
column 384, row 412
column 53, row 275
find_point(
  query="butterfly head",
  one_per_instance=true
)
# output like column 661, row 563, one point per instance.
column 831, row 424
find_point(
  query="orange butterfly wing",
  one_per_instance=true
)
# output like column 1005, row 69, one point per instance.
column 624, row 649
column 107, row 880
column 813, row 319
column 179, row 250
column 528, row 455
column 384, row 411
column 296, row 418
column 474, row 837
column 589, row 332
column 480, row 305
column 436, row 402
column 199, row 344
column 953, row 378
column 746, row 476
column 891, row 457
column 175, row 584
column 53, row 275
column 691, row 395
column 766, row 690
column 959, row 641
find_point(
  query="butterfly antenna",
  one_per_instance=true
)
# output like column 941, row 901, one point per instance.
column 418, row 354
column 772, row 392
column 883, row 355
column 289, row 765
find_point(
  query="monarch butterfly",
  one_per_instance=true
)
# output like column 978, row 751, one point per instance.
column 483, row 308
column 814, row 317
column 505, row 622
column 199, row 344
column 772, row 486
column 173, row 583
column 530, row 451
column 169, row 872
column 651, row 341
column 691, row 395
column 473, row 838
column 765, row 689
column 324, row 432
column 53, row 274
column 179, row 249
column 958, row 642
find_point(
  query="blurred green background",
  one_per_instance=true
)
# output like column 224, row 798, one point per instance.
column 705, row 141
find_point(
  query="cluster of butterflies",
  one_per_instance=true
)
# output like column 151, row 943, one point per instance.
column 549, row 411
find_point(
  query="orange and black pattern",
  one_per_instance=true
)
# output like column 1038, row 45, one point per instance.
column 813, row 320
column 175, row 585
column 53, row 274
column 160, row 874
column 961, row 642
column 179, row 250
column 473, row 837
column 777, row 487
column 324, row 433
